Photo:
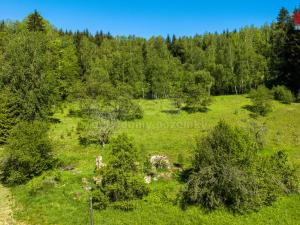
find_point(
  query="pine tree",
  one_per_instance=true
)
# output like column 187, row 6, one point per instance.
column 35, row 22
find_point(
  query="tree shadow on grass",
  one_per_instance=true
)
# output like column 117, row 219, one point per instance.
column 183, row 175
column 195, row 110
column 252, row 111
column 172, row 111
column 54, row 120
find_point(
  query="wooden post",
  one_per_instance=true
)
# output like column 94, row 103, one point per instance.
column 91, row 212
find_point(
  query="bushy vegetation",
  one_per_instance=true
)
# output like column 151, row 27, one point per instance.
column 9, row 113
column 281, row 93
column 227, row 171
column 92, row 131
column 43, row 69
column 67, row 201
column 28, row 153
column 261, row 98
column 121, row 180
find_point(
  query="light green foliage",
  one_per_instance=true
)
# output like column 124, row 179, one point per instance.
column 47, row 181
column 28, row 154
column 160, row 132
column 162, row 70
column 196, row 91
column 281, row 93
column 42, row 67
column 67, row 66
column 95, row 131
column 261, row 98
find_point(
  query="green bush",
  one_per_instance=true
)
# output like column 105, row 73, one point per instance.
column 95, row 131
column 9, row 113
column 261, row 98
column 124, row 205
column 28, row 153
column 126, row 109
column 228, row 172
column 100, row 200
column 281, row 93
column 121, row 178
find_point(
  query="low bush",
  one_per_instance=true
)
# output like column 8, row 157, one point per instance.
column 261, row 98
column 227, row 171
column 121, row 178
column 28, row 153
column 281, row 93
column 126, row 109
column 100, row 200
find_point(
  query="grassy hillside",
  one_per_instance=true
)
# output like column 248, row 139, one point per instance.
column 162, row 130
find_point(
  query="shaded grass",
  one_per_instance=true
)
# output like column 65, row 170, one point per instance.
column 160, row 132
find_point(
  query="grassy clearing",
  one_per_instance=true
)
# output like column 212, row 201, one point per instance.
column 166, row 132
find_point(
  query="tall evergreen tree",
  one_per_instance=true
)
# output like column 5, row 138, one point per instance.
column 35, row 22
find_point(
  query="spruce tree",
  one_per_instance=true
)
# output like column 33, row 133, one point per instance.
column 35, row 22
column 8, row 114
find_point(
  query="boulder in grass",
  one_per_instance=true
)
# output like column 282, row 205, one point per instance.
column 160, row 162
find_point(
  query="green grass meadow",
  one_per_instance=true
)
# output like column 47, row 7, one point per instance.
column 161, row 131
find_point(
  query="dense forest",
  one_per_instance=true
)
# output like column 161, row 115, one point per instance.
column 42, row 68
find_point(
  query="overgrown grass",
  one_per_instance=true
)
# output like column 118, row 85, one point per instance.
column 164, row 131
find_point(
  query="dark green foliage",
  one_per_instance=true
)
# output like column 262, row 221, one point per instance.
column 35, row 22
column 261, row 98
column 9, row 113
column 298, row 97
column 285, row 54
column 28, row 153
column 121, row 178
column 100, row 200
column 228, row 172
column 124, row 205
column 281, row 93
column 180, row 161
column 80, row 65
column 30, row 73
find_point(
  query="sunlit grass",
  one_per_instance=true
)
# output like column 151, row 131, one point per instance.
column 165, row 132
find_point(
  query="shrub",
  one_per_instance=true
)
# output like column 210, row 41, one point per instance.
column 92, row 131
column 261, row 98
column 28, row 154
column 228, row 172
column 100, row 200
column 281, row 93
column 9, row 112
column 124, row 205
column 121, row 178
column 126, row 109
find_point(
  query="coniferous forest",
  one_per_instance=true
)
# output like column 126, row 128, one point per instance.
column 103, row 129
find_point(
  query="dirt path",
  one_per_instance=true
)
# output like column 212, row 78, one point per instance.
column 5, row 207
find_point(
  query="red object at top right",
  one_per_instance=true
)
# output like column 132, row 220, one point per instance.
column 297, row 18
